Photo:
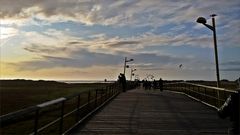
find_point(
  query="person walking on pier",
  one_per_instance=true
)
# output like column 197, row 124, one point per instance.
column 123, row 82
column 154, row 84
column 161, row 84
column 231, row 108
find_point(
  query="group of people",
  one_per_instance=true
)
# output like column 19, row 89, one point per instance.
column 231, row 107
column 148, row 85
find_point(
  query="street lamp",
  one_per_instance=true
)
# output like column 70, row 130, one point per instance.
column 151, row 76
column 137, row 77
column 132, row 74
column 126, row 66
column 203, row 21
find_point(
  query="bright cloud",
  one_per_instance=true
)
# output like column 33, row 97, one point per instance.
column 7, row 32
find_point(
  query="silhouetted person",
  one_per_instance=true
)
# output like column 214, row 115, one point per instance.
column 161, row 84
column 146, row 85
column 154, row 84
column 231, row 108
column 123, row 82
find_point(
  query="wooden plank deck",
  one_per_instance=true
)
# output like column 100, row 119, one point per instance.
column 154, row 113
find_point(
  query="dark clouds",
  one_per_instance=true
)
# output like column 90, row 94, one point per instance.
column 231, row 63
column 44, row 49
column 123, row 43
column 83, row 58
column 231, row 69
column 109, row 12
column 230, row 66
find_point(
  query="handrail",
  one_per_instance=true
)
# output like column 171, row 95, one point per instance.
column 13, row 116
column 52, row 102
column 90, row 101
column 205, row 86
column 209, row 95
column 210, row 87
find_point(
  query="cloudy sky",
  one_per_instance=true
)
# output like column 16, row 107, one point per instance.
column 88, row 39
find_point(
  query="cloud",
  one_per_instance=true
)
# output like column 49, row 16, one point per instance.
column 7, row 32
column 111, row 12
column 123, row 43
column 231, row 63
column 135, row 13
column 43, row 49
column 230, row 69
column 78, row 57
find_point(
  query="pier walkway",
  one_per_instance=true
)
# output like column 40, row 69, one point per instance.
column 141, row 112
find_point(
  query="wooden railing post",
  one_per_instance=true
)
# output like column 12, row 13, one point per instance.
column 61, row 118
column 198, row 89
column 205, row 93
column 89, row 98
column 36, row 122
column 96, row 96
column 218, row 98
column 101, row 99
column 78, row 105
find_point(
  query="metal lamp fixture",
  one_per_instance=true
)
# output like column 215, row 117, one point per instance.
column 203, row 21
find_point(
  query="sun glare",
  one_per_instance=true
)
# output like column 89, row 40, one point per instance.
column 6, row 32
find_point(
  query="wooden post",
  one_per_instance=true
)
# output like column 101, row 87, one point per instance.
column 89, row 98
column 205, row 92
column 218, row 98
column 61, row 118
column 36, row 122
column 78, row 105
column 96, row 94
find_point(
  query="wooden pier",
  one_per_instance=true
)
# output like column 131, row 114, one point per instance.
column 153, row 112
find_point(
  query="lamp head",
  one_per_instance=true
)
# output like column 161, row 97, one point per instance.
column 201, row 20
column 127, row 66
column 131, row 59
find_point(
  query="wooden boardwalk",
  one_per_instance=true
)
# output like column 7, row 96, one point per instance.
column 154, row 113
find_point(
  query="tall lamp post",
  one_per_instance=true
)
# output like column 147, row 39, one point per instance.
column 125, row 64
column 203, row 21
column 132, row 74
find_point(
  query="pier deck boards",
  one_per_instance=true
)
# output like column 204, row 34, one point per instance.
column 143, row 112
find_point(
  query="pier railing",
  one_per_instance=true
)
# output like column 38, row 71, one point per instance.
column 212, row 96
column 61, row 115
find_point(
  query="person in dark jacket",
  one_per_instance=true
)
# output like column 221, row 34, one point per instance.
column 123, row 82
column 231, row 108
column 161, row 84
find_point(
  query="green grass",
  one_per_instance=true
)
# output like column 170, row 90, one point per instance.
column 19, row 94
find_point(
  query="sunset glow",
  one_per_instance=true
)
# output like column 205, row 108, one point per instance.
column 88, row 40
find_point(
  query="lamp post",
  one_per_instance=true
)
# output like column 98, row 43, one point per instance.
column 151, row 77
column 203, row 21
column 132, row 74
column 137, row 77
column 126, row 66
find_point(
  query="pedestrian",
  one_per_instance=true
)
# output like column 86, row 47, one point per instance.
column 161, row 84
column 123, row 82
column 231, row 108
column 154, row 84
